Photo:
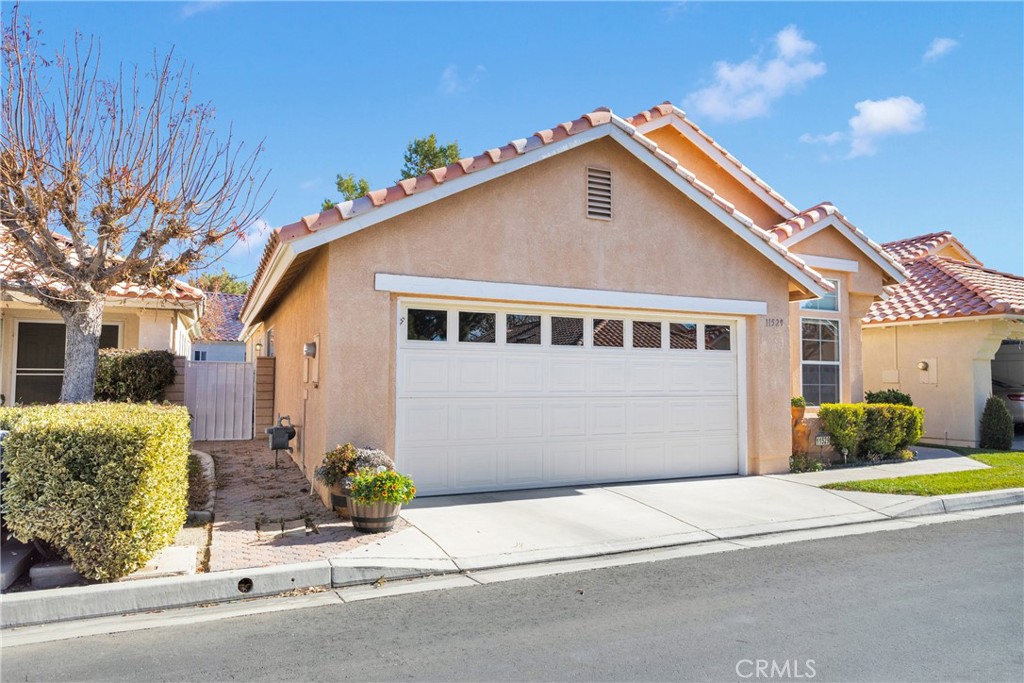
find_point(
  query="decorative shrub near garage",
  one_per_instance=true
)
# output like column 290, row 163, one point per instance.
column 134, row 375
column 996, row 425
column 103, row 483
column 893, row 396
column 873, row 430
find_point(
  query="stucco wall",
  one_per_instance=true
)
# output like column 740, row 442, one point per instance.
column 530, row 227
column 296, row 320
column 714, row 175
column 959, row 380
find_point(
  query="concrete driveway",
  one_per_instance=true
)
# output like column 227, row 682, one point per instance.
column 495, row 529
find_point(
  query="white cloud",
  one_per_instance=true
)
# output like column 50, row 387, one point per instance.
column 938, row 48
column 880, row 118
column 252, row 242
column 822, row 138
column 453, row 83
column 190, row 9
column 747, row 90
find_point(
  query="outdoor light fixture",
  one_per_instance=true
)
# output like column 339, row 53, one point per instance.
column 923, row 365
column 259, row 347
column 309, row 349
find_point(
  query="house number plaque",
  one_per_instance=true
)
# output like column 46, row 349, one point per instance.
column 774, row 322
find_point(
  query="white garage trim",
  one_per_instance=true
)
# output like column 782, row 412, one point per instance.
column 456, row 435
column 566, row 296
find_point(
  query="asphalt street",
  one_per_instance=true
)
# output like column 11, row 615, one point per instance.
column 942, row 602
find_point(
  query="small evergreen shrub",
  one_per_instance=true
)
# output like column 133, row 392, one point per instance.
column 805, row 463
column 798, row 402
column 893, row 396
column 996, row 425
column 133, row 375
column 889, row 429
column 844, row 422
column 103, row 483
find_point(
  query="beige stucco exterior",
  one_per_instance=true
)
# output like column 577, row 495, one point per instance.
column 158, row 326
column 958, row 381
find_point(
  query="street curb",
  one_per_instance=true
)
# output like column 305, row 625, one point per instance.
column 205, row 515
column 97, row 600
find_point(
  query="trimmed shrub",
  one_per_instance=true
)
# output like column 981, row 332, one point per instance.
column 891, row 396
column 889, row 429
column 844, row 422
column 103, row 483
column 133, row 375
column 996, row 425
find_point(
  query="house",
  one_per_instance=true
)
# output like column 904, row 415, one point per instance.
column 610, row 299
column 944, row 334
column 219, row 329
column 32, row 336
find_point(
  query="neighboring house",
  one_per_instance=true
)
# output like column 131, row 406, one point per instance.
column 219, row 329
column 610, row 299
column 939, row 334
column 32, row 337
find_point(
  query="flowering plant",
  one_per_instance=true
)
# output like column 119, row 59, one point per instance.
column 337, row 465
column 381, row 485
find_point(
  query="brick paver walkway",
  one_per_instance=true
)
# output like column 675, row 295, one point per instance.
column 249, row 488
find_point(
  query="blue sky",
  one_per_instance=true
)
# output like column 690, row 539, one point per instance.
column 907, row 116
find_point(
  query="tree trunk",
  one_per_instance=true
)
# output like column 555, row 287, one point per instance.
column 81, row 350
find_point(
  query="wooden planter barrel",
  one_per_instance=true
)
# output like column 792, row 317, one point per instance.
column 375, row 517
column 340, row 495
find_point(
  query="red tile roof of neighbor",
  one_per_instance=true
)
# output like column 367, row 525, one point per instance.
column 940, row 288
column 221, row 321
column 16, row 270
column 599, row 117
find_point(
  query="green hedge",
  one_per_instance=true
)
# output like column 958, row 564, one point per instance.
column 103, row 483
column 872, row 430
column 892, row 396
column 996, row 425
column 133, row 375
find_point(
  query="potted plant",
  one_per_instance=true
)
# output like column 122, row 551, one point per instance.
column 797, row 408
column 334, row 471
column 377, row 496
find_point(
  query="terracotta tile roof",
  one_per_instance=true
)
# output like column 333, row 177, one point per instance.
column 942, row 288
column 812, row 216
column 221, row 319
column 669, row 109
column 914, row 248
column 18, row 270
column 602, row 116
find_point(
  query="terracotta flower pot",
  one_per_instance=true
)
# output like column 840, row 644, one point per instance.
column 797, row 412
column 374, row 517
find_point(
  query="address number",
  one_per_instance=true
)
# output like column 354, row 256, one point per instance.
column 774, row 322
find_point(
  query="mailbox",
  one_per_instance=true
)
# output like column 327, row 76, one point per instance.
column 280, row 434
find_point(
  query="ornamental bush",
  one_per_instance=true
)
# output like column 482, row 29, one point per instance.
column 996, row 425
column 890, row 428
column 133, row 375
column 844, row 422
column 892, row 396
column 105, row 484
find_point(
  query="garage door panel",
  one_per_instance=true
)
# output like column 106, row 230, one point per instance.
column 568, row 375
column 719, row 376
column 567, row 418
column 423, row 421
column 683, row 375
column 608, row 418
column 428, row 467
column 608, row 375
column 718, row 455
column 424, row 372
column 718, row 414
column 477, row 420
column 524, row 464
column 646, row 416
column 477, row 374
column 646, row 376
column 683, row 456
column 523, row 421
column 647, row 460
column 683, row 415
column 565, row 462
column 525, row 375
column 606, row 461
column 474, row 467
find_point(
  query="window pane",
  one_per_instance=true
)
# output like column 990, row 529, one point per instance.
column 41, row 345
column 828, row 329
column 829, row 351
column 646, row 335
column 566, row 331
column 39, row 388
column 108, row 337
column 820, row 384
column 716, row 338
column 607, row 332
column 522, row 329
column 682, row 335
column 476, row 327
column 427, row 325
column 829, row 302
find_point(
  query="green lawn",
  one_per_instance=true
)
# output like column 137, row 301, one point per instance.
column 1006, row 472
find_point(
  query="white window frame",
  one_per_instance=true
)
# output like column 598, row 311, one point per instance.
column 807, row 305
column 196, row 353
column 837, row 363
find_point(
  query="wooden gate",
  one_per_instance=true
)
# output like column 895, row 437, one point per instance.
column 220, row 397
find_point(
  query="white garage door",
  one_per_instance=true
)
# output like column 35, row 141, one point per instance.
column 508, row 398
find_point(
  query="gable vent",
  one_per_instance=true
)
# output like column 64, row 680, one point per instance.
column 599, row 194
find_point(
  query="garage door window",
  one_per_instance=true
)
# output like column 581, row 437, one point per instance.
column 608, row 333
column 646, row 335
column 522, row 329
column 427, row 325
column 476, row 327
column 566, row 331
column 717, row 338
column 682, row 336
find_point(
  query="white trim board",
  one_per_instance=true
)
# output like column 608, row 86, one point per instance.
column 544, row 294
column 830, row 263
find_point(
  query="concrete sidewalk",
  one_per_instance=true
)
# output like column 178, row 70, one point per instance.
column 489, row 531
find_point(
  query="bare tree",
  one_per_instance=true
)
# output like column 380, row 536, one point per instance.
column 109, row 180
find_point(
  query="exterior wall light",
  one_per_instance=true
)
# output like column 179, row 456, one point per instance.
column 309, row 349
column 922, row 365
